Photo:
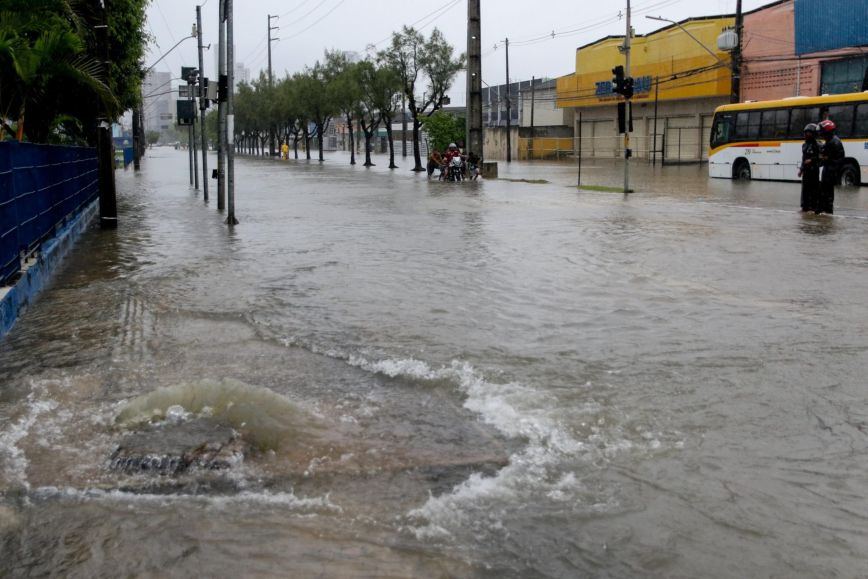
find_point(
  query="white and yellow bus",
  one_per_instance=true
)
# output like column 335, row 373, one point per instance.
column 763, row 140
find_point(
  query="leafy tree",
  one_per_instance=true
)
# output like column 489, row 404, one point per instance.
column 153, row 137
column 211, row 126
column 53, row 76
column 345, row 85
column 418, row 60
column 379, row 83
column 444, row 128
column 316, row 98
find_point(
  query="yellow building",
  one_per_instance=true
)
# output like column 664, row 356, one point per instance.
column 680, row 78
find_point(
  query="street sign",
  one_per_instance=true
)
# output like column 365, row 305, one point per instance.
column 185, row 91
column 187, row 72
column 186, row 112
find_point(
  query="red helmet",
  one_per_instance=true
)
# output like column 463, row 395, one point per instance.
column 827, row 126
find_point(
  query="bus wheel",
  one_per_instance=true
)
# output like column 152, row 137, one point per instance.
column 741, row 170
column 850, row 175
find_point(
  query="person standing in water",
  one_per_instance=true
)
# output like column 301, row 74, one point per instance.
column 831, row 158
column 809, row 170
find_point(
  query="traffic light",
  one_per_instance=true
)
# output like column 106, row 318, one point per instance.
column 618, row 79
column 620, row 84
column 628, row 87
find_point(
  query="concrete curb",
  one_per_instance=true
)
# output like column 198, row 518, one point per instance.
column 38, row 270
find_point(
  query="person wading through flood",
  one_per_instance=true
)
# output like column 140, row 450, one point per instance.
column 435, row 160
column 831, row 158
column 809, row 170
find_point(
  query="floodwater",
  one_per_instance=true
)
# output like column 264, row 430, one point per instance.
column 423, row 379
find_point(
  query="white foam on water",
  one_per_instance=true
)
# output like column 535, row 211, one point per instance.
column 13, row 458
column 536, row 472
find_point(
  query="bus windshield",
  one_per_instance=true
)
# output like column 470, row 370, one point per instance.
column 721, row 129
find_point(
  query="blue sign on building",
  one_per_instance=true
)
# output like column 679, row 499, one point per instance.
column 641, row 85
column 821, row 25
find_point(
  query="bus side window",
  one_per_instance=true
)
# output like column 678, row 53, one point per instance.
column 801, row 117
column 861, row 130
column 741, row 125
column 753, row 124
column 782, row 121
column 767, row 130
column 720, row 132
column 842, row 115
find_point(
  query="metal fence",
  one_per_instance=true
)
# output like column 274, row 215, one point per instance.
column 41, row 186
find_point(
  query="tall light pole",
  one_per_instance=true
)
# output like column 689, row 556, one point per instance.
column 203, row 104
column 271, row 79
column 736, row 55
column 108, row 205
column 474, row 79
column 230, row 114
column 221, row 108
column 628, row 105
column 508, row 110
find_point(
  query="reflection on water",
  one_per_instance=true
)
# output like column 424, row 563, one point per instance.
column 378, row 375
column 818, row 225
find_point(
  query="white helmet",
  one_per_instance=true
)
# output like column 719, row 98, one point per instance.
column 453, row 146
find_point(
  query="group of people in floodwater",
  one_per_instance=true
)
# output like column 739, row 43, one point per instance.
column 450, row 169
column 818, row 187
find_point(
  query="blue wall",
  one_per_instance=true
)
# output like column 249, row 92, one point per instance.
column 830, row 24
column 41, row 187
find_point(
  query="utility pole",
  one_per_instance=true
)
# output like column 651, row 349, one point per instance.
column 193, row 155
column 736, row 55
column 508, row 110
column 137, row 138
column 474, row 79
column 190, row 137
column 532, row 107
column 230, row 114
column 221, row 108
column 108, row 205
column 628, row 105
column 203, row 104
column 271, row 79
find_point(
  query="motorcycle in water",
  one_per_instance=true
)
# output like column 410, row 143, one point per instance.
column 455, row 169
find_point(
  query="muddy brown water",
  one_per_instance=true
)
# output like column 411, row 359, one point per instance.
column 491, row 379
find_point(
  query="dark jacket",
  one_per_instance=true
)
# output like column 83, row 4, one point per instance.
column 832, row 156
column 810, row 156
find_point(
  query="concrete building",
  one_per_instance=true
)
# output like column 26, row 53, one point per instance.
column 804, row 48
column 678, row 84
column 533, row 105
column 789, row 48
column 159, row 105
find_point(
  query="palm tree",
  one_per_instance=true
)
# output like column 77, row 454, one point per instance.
column 44, row 66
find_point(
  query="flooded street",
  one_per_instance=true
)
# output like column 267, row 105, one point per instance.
column 423, row 379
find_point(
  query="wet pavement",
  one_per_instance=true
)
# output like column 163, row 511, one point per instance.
column 393, row 377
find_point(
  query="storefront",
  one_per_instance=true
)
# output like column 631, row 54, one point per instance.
column 680, row 78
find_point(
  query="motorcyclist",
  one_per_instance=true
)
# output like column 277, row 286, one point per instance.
column 452, row 152
column 831, row 158
column 809, row 170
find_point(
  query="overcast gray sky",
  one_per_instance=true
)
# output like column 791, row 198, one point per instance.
column 308, row 27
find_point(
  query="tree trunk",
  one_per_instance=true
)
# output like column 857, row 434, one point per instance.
column 417, row 153
column 307, row 143
column 368, row 162
column 352, row 139
column 392, row 164
column 295, row 140
column 320, row 129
